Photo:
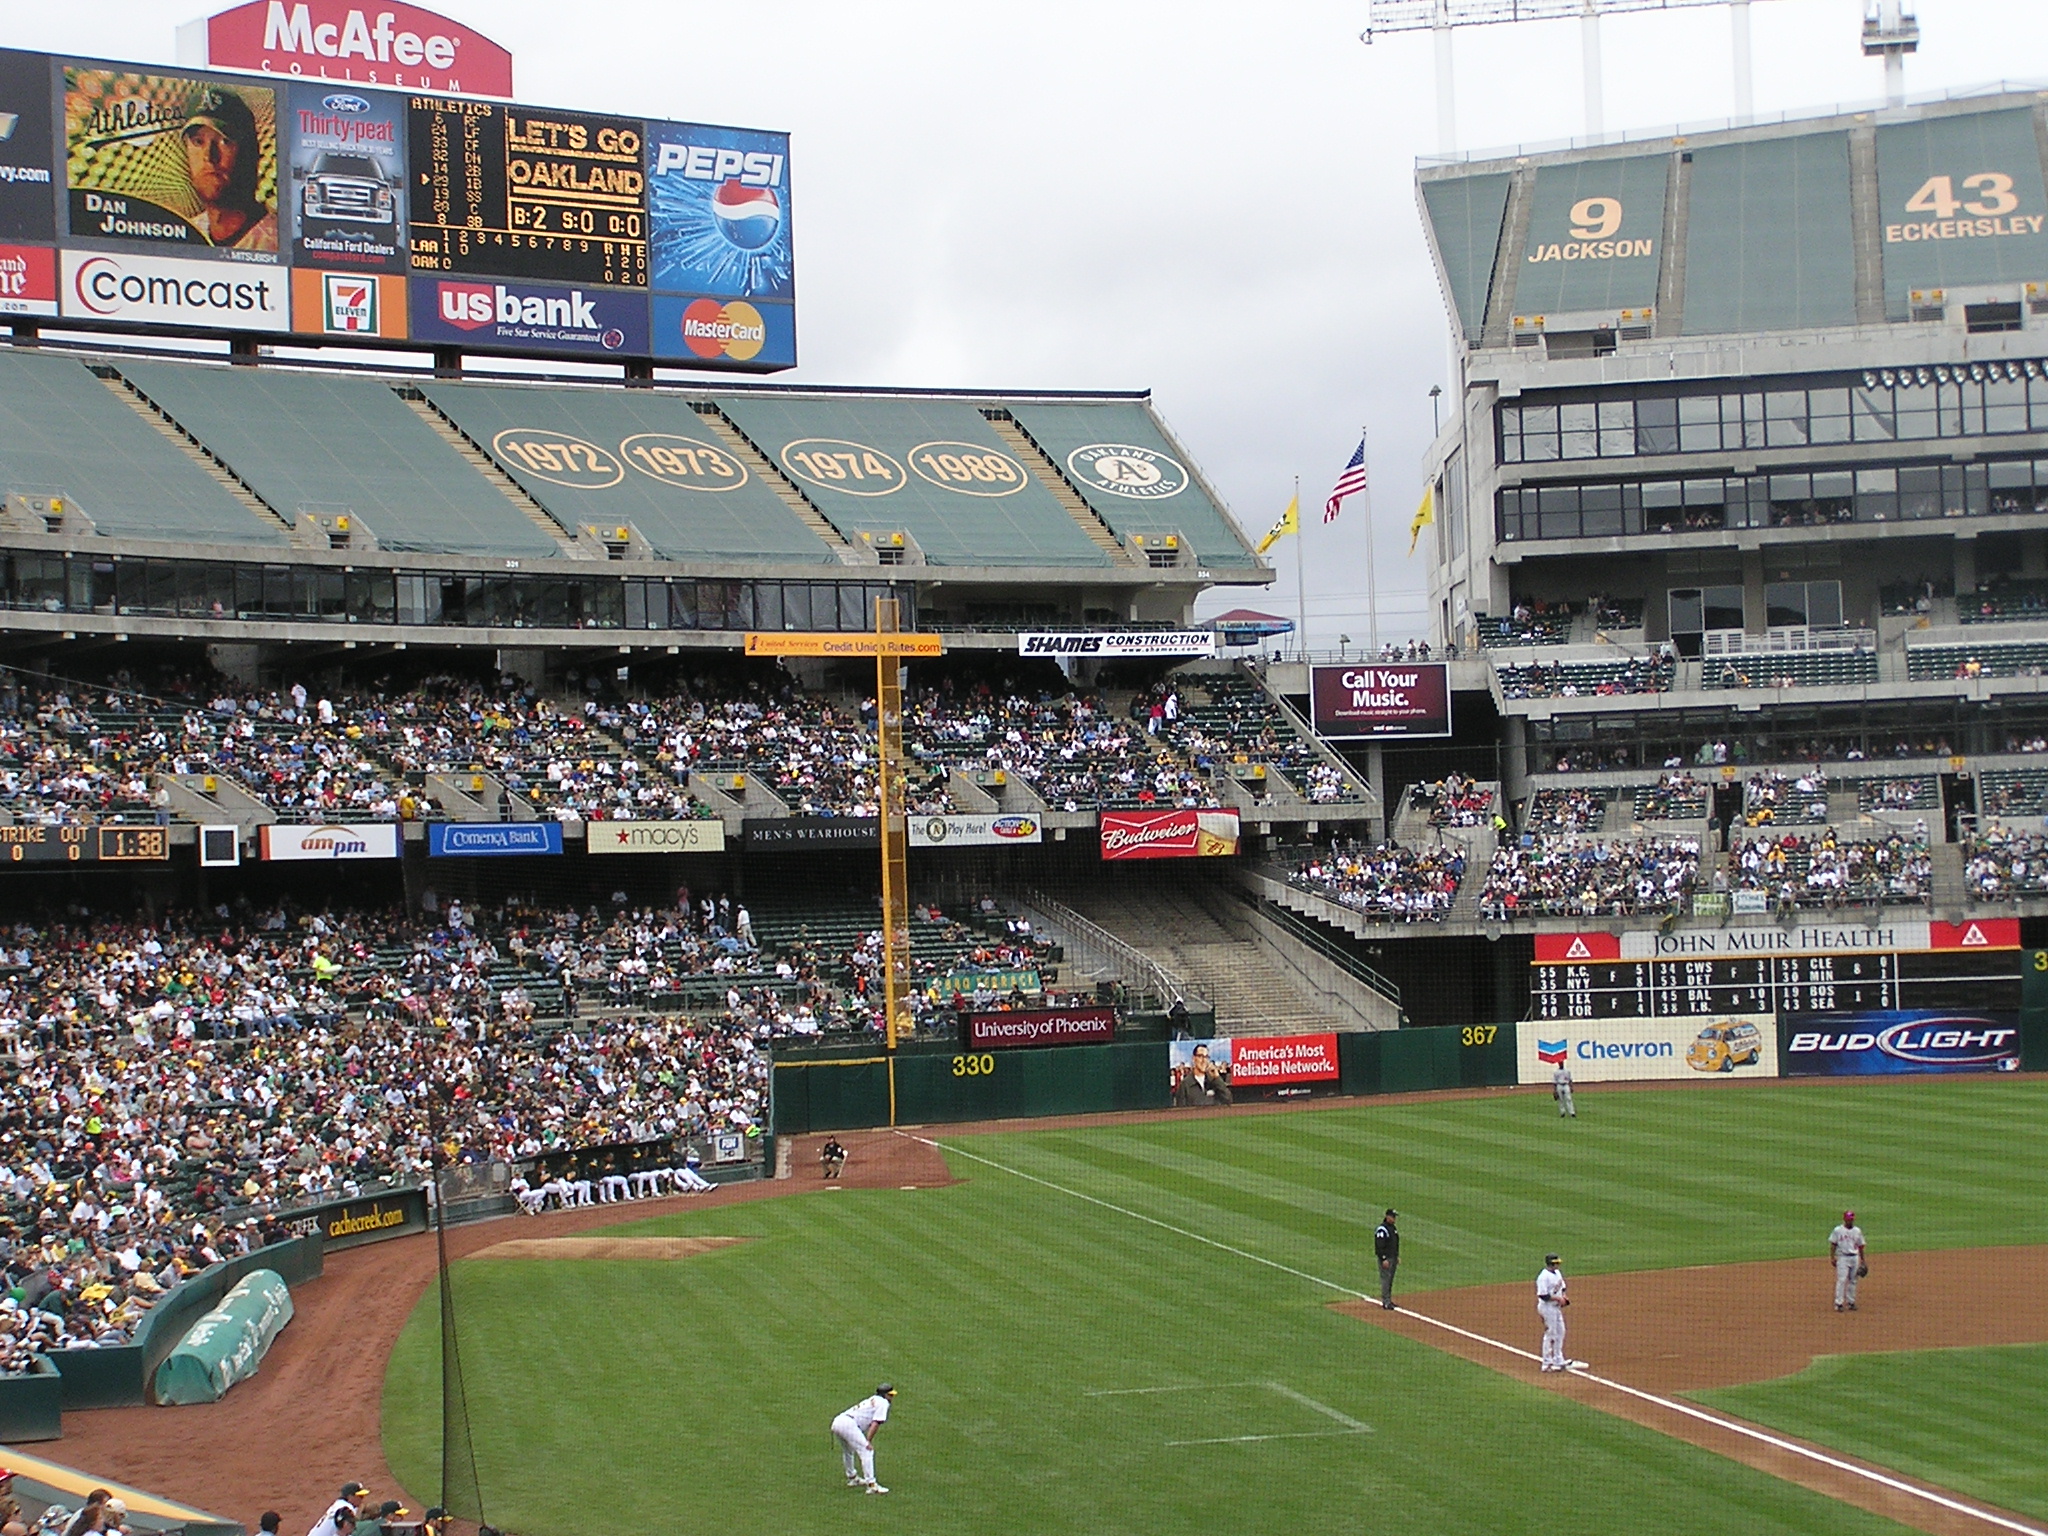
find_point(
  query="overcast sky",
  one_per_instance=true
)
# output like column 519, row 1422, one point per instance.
column 1211, row 200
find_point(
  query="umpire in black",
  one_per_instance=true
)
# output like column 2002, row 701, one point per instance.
column 1386, row 1247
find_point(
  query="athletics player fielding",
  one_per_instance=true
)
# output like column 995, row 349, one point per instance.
column 855, row 1430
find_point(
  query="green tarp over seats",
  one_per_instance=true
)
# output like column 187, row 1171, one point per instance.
column 228, row 1343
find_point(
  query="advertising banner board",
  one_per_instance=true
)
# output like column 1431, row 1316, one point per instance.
column 28, row 203
column 447, row 839
column 376, row 840
column 198, row 295
column 1039, row 1026
column 996, row 983
column 1876, row 1044
column 345, row 202
column 1175, row 834
column 171, row 164
column 366, row 1219
column 1410, row 698
column 1627, row 1050
column 814, row 832
column 1907, row 935
column 1272, row 1060
column 1118, row 643
column 718, row 211
column 654, row 837
column 973, row 831
column 391, row 43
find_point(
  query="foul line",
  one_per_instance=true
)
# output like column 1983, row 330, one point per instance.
column 1733, row 1426
column 1302, row 1434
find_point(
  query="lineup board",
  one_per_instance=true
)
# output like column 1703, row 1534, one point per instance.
column 506, row 191
column 1780, row 984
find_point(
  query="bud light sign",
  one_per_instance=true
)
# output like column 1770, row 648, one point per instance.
column 1881, row 1044
column 1399, row 698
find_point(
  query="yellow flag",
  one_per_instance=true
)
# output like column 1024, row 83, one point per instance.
column 1424, row 516
column 1290, row 522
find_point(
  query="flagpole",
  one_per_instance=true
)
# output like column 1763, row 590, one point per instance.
column 1372, row 583
column 1300, row 592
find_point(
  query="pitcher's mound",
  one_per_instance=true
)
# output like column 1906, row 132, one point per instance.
column 605, row 1247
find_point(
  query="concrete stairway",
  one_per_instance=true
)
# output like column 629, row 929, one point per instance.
column 566, row 543
column 193, row 449
column 770, row 474
column 1217, row 955
column 1047, row 473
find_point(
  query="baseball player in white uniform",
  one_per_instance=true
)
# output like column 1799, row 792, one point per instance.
column 1561, row 1090
column 855, row 1430
column 1551, row 1300
column 1846, row 1248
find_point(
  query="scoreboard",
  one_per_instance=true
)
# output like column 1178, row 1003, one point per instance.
column 1780, row 984
column 507, row 191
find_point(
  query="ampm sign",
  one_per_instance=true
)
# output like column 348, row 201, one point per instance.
column 452, row 839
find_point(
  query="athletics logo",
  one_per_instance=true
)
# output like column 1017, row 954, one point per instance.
column 1124, row 469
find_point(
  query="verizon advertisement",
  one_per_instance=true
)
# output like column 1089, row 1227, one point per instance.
column 1276, row 1061
column 377, row 840
column 406, row 46
column 1411, row 698
column 1175, row 834
column 1040, row 1026
column 168, row 290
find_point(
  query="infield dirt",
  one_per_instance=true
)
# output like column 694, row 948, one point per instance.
column 310, row 1420
column 1672, row 1331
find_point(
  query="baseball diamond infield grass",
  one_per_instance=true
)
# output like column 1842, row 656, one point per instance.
column 1028, row 1328
column 1948, row 1415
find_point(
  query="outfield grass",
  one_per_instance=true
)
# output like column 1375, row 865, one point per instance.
column 1968, row 1419
column 695, row 1395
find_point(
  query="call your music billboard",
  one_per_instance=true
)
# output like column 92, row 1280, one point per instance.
column 1394, row 698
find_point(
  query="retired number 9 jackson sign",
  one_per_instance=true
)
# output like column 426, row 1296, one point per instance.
column 1411, row 698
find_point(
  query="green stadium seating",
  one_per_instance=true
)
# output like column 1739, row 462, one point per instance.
column 63, row 430
column 750, row 521
column 967, row 526
column 312, row 440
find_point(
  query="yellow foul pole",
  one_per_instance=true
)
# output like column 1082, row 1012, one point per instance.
column 889, row 787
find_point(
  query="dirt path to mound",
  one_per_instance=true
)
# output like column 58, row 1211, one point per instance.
column 309, row 1420
column 1681, row 1330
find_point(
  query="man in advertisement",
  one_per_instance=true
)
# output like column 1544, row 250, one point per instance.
column 1202, row 1081
column 222, row 158
column 166, row 161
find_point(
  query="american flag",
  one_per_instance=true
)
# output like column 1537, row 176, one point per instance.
column 1350, row 483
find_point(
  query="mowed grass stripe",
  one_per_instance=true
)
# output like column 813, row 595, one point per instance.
column 695, row 1394
column 1969, row 1419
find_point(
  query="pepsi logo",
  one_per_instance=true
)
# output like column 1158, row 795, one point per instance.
column 342, row 102
column 750, row 217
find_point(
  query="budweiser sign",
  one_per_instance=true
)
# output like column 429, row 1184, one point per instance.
column 393, row 44
column 1176, row 834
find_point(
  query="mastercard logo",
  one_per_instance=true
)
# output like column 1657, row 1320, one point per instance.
column 733, row 329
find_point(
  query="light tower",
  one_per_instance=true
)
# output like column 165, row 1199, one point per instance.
column 1440, row 16
column 1890, row 32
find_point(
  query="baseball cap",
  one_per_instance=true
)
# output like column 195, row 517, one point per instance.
column 1392, row 1212
column 1848, row 1215
column 353, row 1490
column 1550, row 1258
column 885, row 1390
column 225, row 111
column 389, row 1508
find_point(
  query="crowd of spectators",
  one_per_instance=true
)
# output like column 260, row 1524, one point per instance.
column 1587, row 679
column 1565, row 877
column 1775, row 799
column 1823, row 869
column 1565, row 810
column 1454, row 800
column 1388, row 883
column 1676, row 796
column 171, row 1086
column 2000, row 864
